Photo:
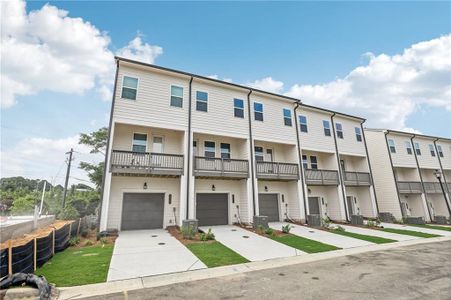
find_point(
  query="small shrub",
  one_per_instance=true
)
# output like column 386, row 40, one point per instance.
column 269, row 231
column 340, row 229
column 370, row 223
column 286, row 228
column 103, row 241
column 68, row 213
column 89, row 243
column 188, row 232
column 326, row 222
column 378, row 221
column 209, row 236
column 75, row 240
column 260, row 229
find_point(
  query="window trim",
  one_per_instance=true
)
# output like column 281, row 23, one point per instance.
column 328, row 128
column 162, row 142
column 311, row 163
column 390, row 146
column 170, row 95
column 261, row 112
column 239, row 108
column 300, row 124
column 230, row 150
column 440, row 151
column 197, row 100
column 417, row 150
column 137, row 86
column 358, row 134
column 285, row 118
column 133, row 140
column 262, row 152
column 432, row 150
column 304, row 159
column 408, row 148
column 339, row 130
column 214, row 152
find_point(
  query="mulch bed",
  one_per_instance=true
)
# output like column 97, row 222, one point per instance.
column 262, row 233
column 177, row 233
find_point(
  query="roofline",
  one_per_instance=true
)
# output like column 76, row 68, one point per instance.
column 409, row 133
column 295, row 100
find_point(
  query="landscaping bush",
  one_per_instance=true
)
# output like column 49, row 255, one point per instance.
column 370, row 223
column 208, row 236
column 104, row 241
column 269, row 231
column 188, row 232
column 89, row 243
column 75, row 240
column 286, row 228
column 340, row 229
column 326, row 222
column 68, row 213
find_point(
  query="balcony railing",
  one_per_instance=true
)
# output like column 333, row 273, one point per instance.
column 321, row 177
column 220, row 167
column 277, row 170
column 410, row 187
column 130, row 162
column 432, row 187
column 357, row 178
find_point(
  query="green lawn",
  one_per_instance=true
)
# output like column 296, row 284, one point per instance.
column 78, row 266
column 433, row 227
column 215, row 254
column 303, row 244
column 369, row 238
column 410, row 232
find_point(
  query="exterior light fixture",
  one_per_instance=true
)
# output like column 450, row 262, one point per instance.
column 266, row 188
column 145, row 186
column 438, row 174
column 213, row 188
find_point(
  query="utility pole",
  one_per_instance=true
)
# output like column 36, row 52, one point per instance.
column 67, row 176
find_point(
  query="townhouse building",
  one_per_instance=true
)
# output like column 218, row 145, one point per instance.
column 183, row 146
column 413, row 174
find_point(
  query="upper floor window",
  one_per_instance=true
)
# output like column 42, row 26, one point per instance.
column 209, row 149
column 238, row 108
column 201, row 101
column 339, row 129
column 287, row 117
column 258, row 153
column 139, row 142
column 313, row 162
column 392, row 146
column 440, row 150
column 258, row 111
column 129, row 87
column 326, row 126
column 358, row 134
column 431, row 150
column 303, row 123
column 225, row 150
column 417, row 148
column 305, row 162
column 408, row 147
column 176, row 96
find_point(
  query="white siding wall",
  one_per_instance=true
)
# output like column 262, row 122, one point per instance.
column 446, row 159
column 238, row 147
column 438, row 204
column 426, row 160
column 415, row 202
column 291, row 194
column 401, row 158
column 326, row 161
column 331, row 198
column 363, row 200
column 315, row 139
column 348, row 144
column 407, row 174
column 355, row 163
column 281, row 153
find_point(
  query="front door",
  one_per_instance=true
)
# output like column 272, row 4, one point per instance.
column 313, row 205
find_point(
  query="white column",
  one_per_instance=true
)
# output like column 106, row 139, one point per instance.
column 191, row 195
column 373, row 202
column 425, row 208
column 107, row 184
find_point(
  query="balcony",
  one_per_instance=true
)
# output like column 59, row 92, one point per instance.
column 145, row 163
column 277, row 170
column 432, row 187
column 410, row 187
column 321, row 177
column 220, row 167
column 357, row 178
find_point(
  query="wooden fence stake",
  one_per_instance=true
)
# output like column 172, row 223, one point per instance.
column 10, row 257
column 35, row 250
column 70, row 229
column 53, row 244
column 78, row 229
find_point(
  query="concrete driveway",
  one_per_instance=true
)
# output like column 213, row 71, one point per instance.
column 322, row 236
column 378, row 233
column 250, row 245
column 141, row 253
column 415, row 228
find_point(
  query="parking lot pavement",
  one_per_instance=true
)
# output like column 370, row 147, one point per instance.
column 140, row 253
column 322, row 236
column 378, row 233
column 416, row 228
column 250, row 245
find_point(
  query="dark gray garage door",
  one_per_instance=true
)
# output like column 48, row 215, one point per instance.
column 142, row 211
column 212, row 209
column 269, row 206
column 313, row 205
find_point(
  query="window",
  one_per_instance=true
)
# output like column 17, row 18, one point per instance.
column 408, row 147
column 431, row 149
column 313, row 163
column 195, row 148
column 258, row 111
column 358, row 134
column 157, row 146
column 129, row 88
column 209, row 149
column 201, row 101
column 391, row 145
column 225, row 150
column 343, row 165
column 139, row 142
column 440, row 150
column 258, row 153
column 417, row 148
column 303, row 123
column 326, row 126
column 238, row 107
column 339, row 129
column 176, row 96
column 305, row 162
column 287, row 117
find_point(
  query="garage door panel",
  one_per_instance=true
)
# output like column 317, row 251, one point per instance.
column 269, row 206
column 142, row 211
column 212, row 209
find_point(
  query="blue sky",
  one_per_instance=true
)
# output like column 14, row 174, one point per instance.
column 306, row 44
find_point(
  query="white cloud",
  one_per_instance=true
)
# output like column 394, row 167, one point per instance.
column 267, row 84
column 214, row 76
column 46, row 49
column 389, row 88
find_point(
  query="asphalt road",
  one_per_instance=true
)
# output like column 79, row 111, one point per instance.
column 413, row 272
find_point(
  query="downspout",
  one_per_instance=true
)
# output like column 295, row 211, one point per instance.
column 444, row 177
column 393, row 169
column 251, row 146
column 298, row 103
column 340, row 171
column 189, row 146
column 421, row 176
column 369, row 167
column 110, row 124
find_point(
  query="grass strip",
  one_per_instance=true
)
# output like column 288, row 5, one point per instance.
column 215, row 254
column 78, row 266
column 410, row 232
column 433, row 227
column 303, row 244
column 368, row 238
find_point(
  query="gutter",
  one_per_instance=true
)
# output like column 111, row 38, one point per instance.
column 189, row 146
column 369, row 167
column 444, row 177
column 251, row 146
column 340, row 171
column 301, row 167
column 393, row 170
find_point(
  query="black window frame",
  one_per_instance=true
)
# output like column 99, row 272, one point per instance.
column 432, row 150
column 210, row 152
column 238, row 111
column 313, row 164
column 358, row 134
column 440, row 151
column 225, row 155
column 287, row 119
column 129, row 89
column 392, row 147
column 408, row 146
column 176, row 98
column 259, row 157
column 339, row 131
column 303, row 126
column 417, row 148
column 200, row 103
column 258, row 115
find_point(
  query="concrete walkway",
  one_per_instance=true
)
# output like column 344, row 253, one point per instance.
column 142, row 253
column 378, row 233
column 322, row 236
column 416, row 228
column 250, row 245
